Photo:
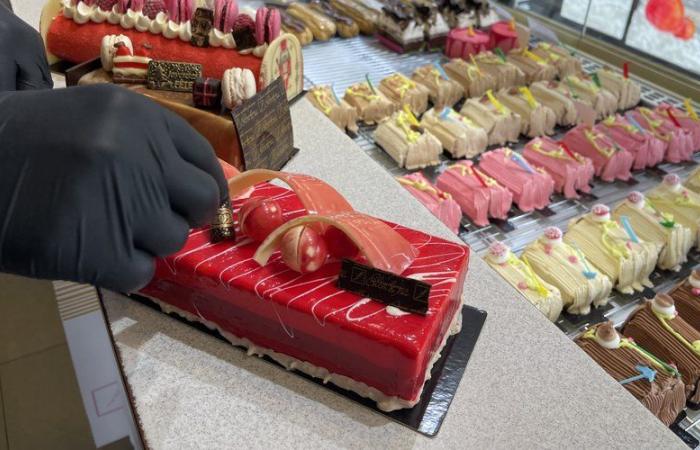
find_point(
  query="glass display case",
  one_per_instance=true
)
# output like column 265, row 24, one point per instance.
column 661, row 30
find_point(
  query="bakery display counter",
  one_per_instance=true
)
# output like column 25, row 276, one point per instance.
column 526, row 383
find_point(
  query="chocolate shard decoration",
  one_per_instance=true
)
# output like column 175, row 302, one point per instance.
column 202, row 23
column 172, row 76
column 406, row 294
column 222, row 229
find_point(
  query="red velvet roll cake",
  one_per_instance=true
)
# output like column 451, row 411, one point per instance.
column 648, row 151
column 279, row 297
column 610, row 161
column 172, row 31
column 571, row 172
column 479, row 195
column 679, row 142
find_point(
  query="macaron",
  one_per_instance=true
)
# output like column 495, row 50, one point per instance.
column 237, row 86
column 225, row 13
column 268, row 23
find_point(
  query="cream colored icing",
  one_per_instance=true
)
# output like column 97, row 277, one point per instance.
column 143, row 23
column 158, row 24
column 114, row 16
column 171, row 30
column 83, row 13
column 669, row 310
column 218, row 38
column 612, row 345
column 99, row 15
column 396, row 312
column 128, row 20
column 694, row 282
column 68, row 9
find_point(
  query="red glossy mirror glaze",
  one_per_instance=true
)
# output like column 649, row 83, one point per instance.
column 339, row 245
column 303, row 249
column 259, row 217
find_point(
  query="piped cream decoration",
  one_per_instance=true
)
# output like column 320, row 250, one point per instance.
column 535, row 118
column 83, row 12
column 662, row 308
column 694, row 280
column 673, row 239
column 610, row 344
column 608, row 247
column 561, row 265
column 99, row 16
column 499, row 122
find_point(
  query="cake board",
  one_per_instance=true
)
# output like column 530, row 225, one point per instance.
column 427, row 416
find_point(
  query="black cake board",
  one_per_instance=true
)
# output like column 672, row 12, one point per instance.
column 427, row 416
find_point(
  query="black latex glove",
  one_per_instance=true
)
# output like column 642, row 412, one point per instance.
column 95, row 181
column 23, row 62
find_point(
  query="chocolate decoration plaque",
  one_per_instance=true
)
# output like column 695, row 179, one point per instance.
column 264, row 128
column 404, row 293
column 172, row 76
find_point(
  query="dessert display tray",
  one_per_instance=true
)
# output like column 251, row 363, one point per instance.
column 427, row 416
column 342, row 62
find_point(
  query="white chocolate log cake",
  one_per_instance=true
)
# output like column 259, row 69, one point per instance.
column 443, row 91
column 342, row 114
column 404, row 91
column 501, row 124
column 461, row 137
column 411, row 146
column 581, row 284
column 519, row 274
column 674, row 239
column 671, row 197
column 474, row 81
column 535, row 118
column 371, row 105
column 625, row 259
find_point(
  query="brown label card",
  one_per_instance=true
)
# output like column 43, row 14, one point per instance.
column 264, row 128
column 172, row 76
column 404, row 293
column 201, row 26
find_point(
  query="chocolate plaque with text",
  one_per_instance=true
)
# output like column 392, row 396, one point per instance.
column 404, row 293
column 264, row 128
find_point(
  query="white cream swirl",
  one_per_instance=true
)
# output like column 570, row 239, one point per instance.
column 158, row 24
column 218, row 38
column 99, row 15
column 171, row 30
column 83, row 13
column 114, row 16
column 143, row 23
column 68, row 9
column 260, row 50
column 128, row 20
column 185, row 31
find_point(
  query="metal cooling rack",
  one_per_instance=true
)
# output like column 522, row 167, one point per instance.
column 343, row 62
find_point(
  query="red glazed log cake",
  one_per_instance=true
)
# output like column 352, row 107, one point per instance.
column 304, row 321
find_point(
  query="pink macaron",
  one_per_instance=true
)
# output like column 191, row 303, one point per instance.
column 225, row 13
column 267, row 25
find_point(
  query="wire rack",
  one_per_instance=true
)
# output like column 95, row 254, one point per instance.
column 343, row 62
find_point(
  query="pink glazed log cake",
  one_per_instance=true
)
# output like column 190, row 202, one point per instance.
column 302, row 320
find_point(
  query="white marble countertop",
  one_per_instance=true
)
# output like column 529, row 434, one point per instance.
column 526, row 385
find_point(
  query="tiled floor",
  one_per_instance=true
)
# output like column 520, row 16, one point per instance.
column 40, row 404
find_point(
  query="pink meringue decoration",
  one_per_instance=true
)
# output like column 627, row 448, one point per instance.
column 687, row 122
column 137, row 5
column 225, row 13
column 180, row 11
column 123, row 6
column 679, row 143
column 440, row 204
column 648, row 151
column 478, row 195
column 553, row 233
column 570, row 171
column 531, row 186
column 610, row 161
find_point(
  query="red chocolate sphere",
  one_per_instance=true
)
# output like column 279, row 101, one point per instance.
column 259, row 217
column 303, row 249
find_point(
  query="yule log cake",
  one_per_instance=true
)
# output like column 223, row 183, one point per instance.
column 285, row 304
column 73, row 31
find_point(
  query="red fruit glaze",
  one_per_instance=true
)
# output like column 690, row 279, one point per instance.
column 303, row 249
column 687, row 30
column 259, row 217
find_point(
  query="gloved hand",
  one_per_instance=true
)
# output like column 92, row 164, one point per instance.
column 23, row 62
column 96, row 181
